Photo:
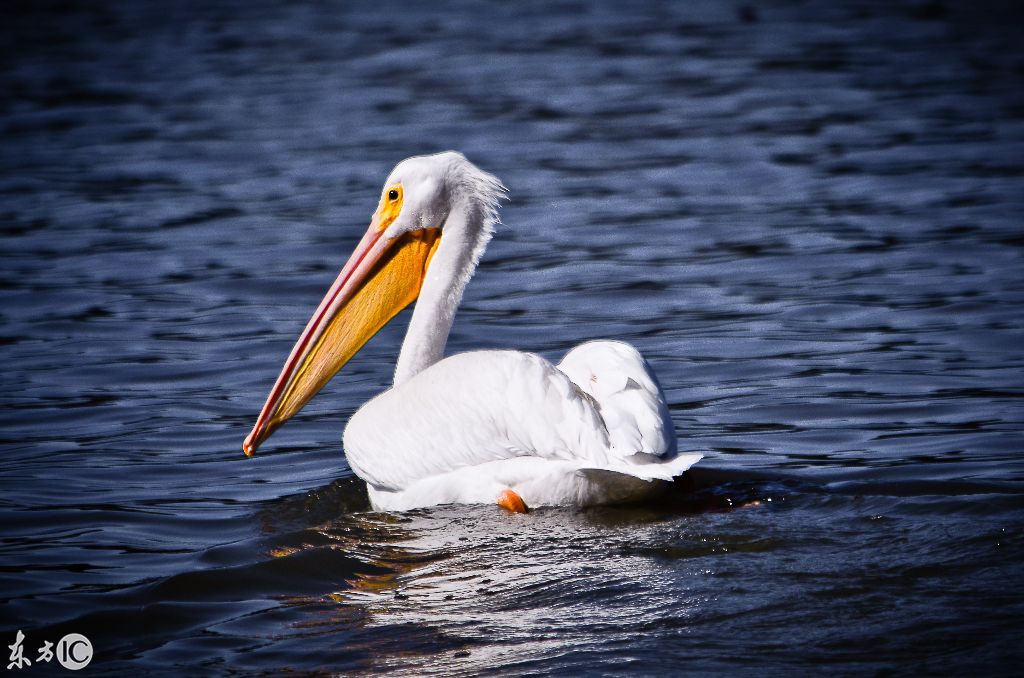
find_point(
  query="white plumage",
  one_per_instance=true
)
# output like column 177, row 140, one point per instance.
column 477, row 423
column 593, row 430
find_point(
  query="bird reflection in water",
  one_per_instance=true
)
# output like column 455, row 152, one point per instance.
column 476, row 584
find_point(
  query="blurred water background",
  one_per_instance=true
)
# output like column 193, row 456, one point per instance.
column 809, row 216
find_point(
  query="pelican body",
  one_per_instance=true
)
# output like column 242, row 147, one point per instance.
column 491, row 426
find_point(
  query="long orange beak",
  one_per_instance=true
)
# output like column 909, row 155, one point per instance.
column 380, row 279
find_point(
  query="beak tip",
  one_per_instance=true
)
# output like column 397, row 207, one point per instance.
column 248, row 446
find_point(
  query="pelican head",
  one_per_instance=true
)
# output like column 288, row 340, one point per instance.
column 434, row 218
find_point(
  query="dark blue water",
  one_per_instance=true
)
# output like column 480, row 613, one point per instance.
column 810, row 219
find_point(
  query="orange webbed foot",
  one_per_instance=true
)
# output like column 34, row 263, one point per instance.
column 510, row 501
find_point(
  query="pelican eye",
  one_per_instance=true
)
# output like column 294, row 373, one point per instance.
column 392, row 195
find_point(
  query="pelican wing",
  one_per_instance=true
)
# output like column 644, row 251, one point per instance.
column 630, row 400
column 470, row 409
column 474, row 409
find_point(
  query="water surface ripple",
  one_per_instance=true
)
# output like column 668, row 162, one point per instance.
column 807, row 217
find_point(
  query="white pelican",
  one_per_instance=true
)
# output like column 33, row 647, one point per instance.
column 478, row 427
